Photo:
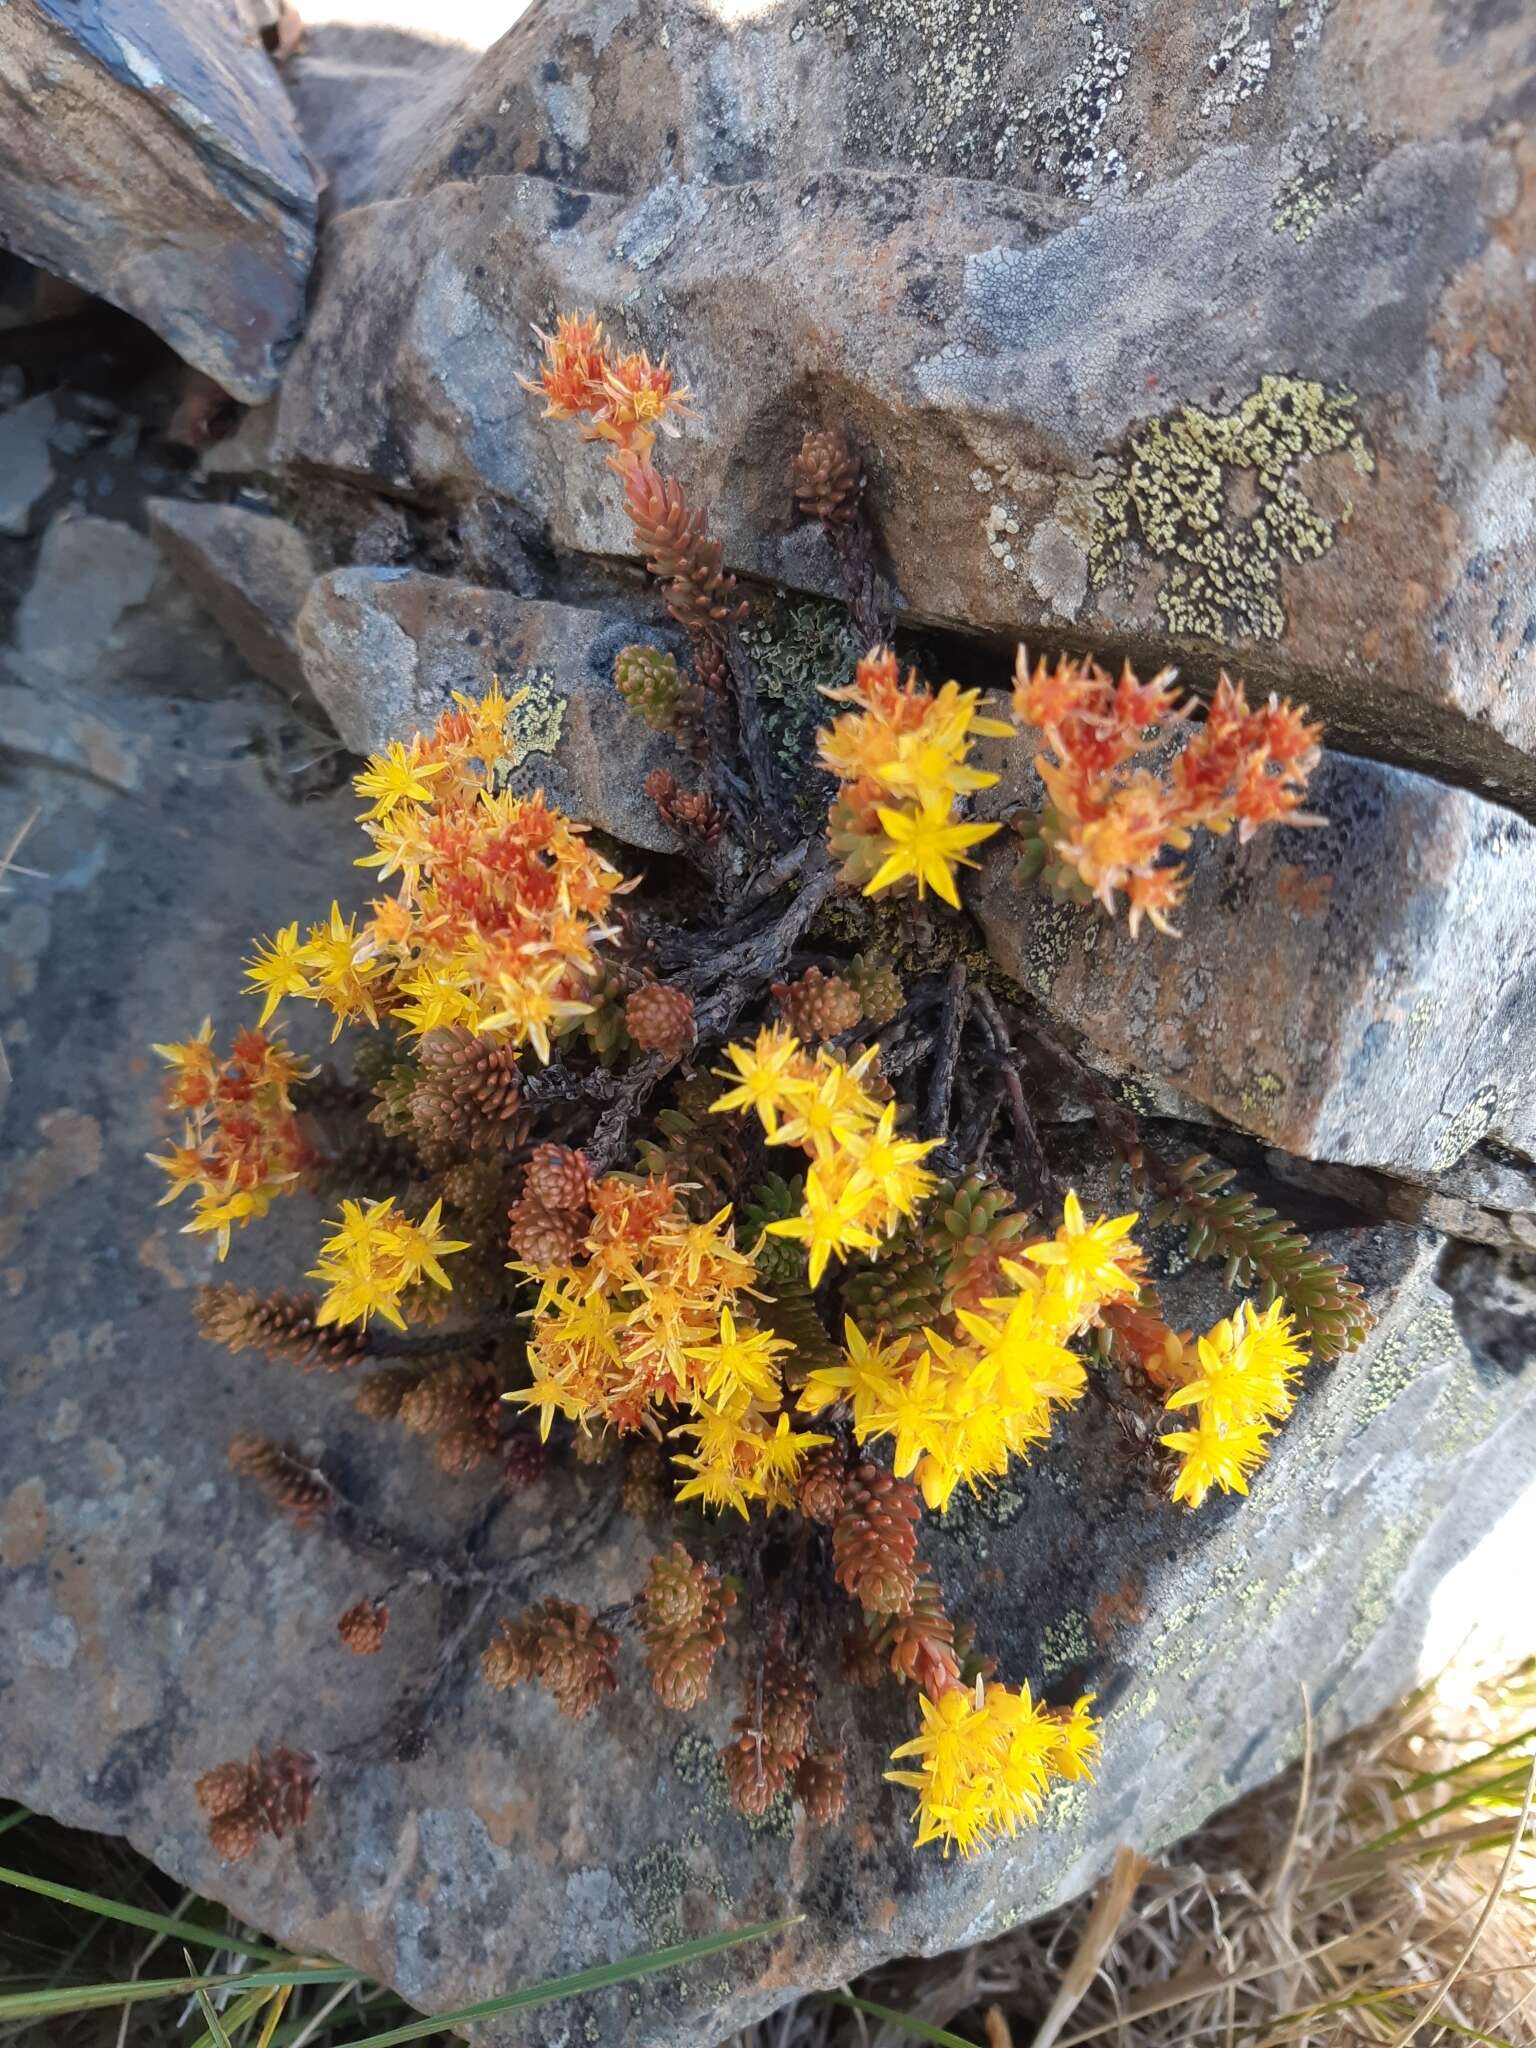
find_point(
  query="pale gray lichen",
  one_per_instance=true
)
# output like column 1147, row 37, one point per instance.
column 1239, row 62
column 956, row 114
column 1171, row 495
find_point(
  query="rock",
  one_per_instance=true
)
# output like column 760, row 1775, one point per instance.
column 148, row 153
column 364, row 98
column 1364, row 993
column 253, row 573
column 140, row 1577
column 384, row 649
column 1151, row 342
column 103, row 611
column 25, row 468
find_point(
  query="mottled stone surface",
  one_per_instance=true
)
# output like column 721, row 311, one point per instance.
column 365, row 98
column 148, row 152
column 384, row 650
column 1364, row 993
column 154, row 1619
column 252, row 572
column 1211, row 350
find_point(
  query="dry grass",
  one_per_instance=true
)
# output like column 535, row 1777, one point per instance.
column 1384, row 1892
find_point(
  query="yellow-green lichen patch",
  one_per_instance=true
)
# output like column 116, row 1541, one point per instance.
column 1377, row 1590
column 1064, row 1644
column 1403, row 1355
column 1472, row 1121
column 1301, row 202
column 533, row 725
column 1065, row 1808
column 1171, row 495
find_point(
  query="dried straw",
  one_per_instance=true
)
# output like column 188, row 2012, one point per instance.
column 1382, row 1892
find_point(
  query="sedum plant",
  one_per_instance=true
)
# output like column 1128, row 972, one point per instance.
column 713, row 1191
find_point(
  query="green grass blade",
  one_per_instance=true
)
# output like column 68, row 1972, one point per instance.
column 135, row 1916
column 35, row 2005
column 1503, row 1789
column 216, row 2036
column 598, row 1978
column 14, row 1820
column 918, row 2029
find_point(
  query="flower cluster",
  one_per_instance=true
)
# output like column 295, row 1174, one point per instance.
column 375, row 1256
column 863, row 1178
column 241, row 1143
column 621, row 399
column 1244, row 1384
column 986, row 1758
column 957, row 1410
column 901, row 760
column 499, row 906
column 1109, row 821
column 655, row 1314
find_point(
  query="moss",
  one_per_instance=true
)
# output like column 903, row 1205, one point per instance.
column 1171, row 495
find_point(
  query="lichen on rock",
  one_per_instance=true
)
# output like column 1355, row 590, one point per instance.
column 1172, row 494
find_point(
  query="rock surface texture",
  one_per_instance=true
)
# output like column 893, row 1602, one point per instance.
column 1207, row 348
column 253, row 573
column 1363, row 993
column 385, row 649
column 149, row 153
column 1206, row 339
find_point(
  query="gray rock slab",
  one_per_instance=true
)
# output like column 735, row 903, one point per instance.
column 104, row 616
column 384, row 649
column 252, row 572
column 1363, row 993
column 149, row 154
column 26, row 470
column 154, row 1619
column 1146, row 352
column 364, row 103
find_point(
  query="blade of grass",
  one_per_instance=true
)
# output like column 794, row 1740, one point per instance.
column 215, row 2034
column 279, row 2005
column 136, row 1916
column 1425, row 1779
column 1510, row 1781
column 918, row 2029
column 34, row 2005
column 1495, row 1893
column 14, row 1820
column 598, row 1978
column 299, row 2031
